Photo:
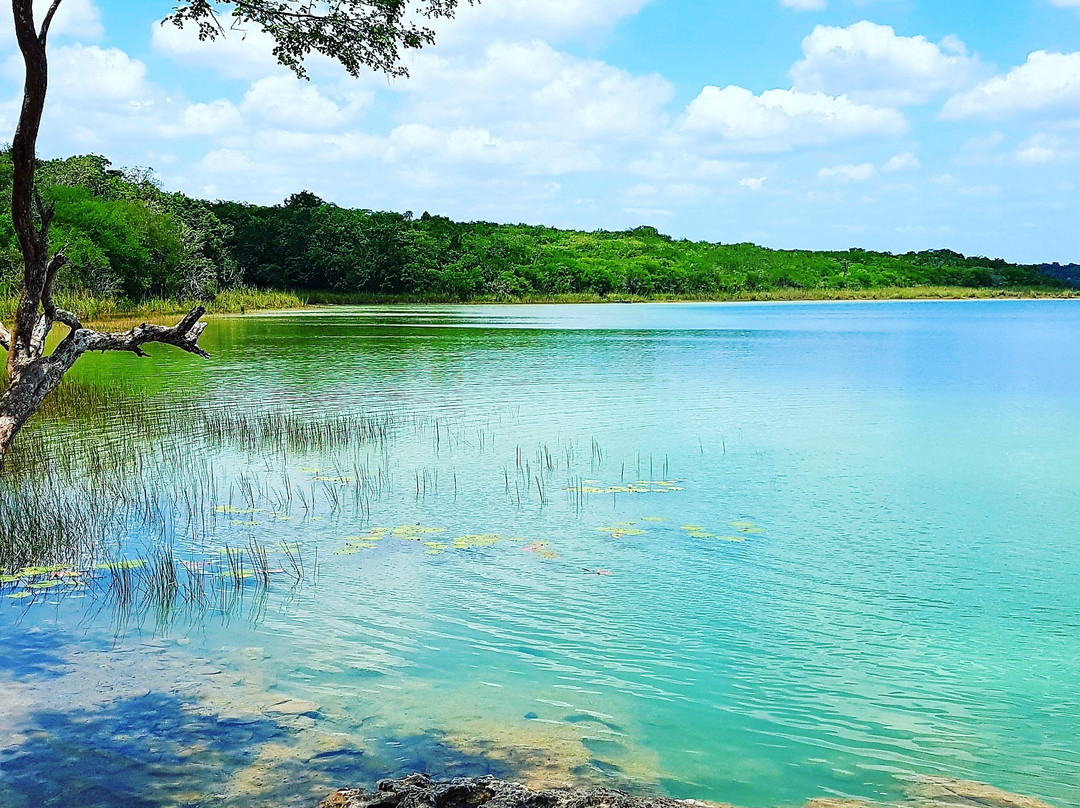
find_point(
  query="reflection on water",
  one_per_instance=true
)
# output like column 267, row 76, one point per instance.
column 756, row 554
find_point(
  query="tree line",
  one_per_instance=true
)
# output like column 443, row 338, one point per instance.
column 125, row 237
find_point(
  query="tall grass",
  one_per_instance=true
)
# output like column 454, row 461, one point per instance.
column 92, row 309
column 247, row 299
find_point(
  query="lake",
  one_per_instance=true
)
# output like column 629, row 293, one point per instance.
column 751, row 553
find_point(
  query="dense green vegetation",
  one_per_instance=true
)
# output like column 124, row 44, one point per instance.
column 135, row 245
column 124, row 235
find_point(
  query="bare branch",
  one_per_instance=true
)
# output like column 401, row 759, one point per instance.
column 59, row 260
column 184, row 335
column 67, row 318
column 48, row 19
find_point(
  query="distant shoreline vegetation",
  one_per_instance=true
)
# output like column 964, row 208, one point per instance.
column 136, row 249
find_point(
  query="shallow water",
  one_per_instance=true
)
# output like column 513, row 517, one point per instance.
column 836, row 547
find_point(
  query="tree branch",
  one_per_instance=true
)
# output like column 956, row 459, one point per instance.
column 5, row 338
column 48, row 19
column 59, row 260
column 184, row 335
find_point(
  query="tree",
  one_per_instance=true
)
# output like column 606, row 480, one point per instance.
column 357, row 33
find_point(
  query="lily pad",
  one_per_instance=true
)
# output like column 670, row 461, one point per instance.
column 478, row 540
column 414, row 532
column 44, row 584
column 123, row 564
column 29, row 572
column 19, row 595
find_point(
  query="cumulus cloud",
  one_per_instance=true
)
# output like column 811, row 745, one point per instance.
column 849, row 173
column 1042, row 148
column 901, row 162
column 552, row 20
column 419, row 144
column 76, row 19
column 777, row 120
column 668, row 164
column 216, row 118
column 531, row 89
column 240, row 54
column 871, row 64
column 283, row 100
column 1048, row 83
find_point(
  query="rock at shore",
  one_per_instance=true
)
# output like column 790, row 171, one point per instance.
column 420, row 791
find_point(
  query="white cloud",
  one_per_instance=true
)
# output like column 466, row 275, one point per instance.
column 1065, row 3
column 76, row 19
column 849, row 173
column 284, row 100
column 871, row 64
column 672, row 164
column 1047, row 83
column 552, row 20
column 1042, row 148
column 532, row 90
column 778, row 120
column 216, row 118
column 753, row 183
column 419, row 144
column 246, row 54
column 804, row 5
column 901, row 162
column 680, row 193
column 89, row 74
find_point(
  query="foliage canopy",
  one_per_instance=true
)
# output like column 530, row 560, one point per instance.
column 126, row 237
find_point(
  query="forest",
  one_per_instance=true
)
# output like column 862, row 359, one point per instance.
column 129, row 241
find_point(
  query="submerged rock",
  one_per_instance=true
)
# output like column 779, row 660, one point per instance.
column 420, row 791
column 294, row 707
column 943, row 792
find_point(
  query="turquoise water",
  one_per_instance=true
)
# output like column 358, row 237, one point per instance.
column 838, row 549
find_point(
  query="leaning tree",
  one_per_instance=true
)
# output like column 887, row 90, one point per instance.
column 357, row 33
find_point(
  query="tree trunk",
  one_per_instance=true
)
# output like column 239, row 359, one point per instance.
column 32, row 374
column 23, row 396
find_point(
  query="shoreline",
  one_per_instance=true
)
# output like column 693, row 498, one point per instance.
column 266, row 302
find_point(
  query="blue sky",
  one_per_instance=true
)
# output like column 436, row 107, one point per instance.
column 884, row 124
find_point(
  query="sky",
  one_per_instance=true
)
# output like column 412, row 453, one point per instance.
column 820, row 124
